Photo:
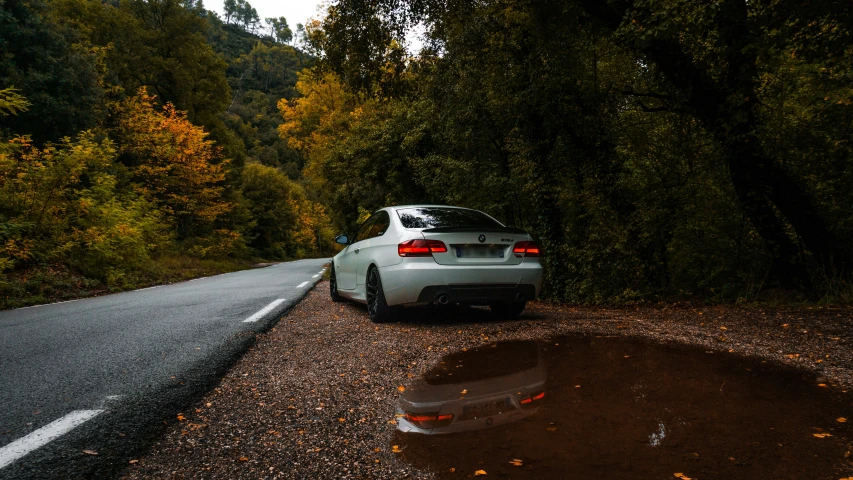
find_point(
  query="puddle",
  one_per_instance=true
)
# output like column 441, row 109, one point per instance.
column 583, row 407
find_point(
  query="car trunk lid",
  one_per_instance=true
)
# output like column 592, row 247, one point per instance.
column 476, row 246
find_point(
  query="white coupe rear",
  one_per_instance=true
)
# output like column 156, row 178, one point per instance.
column 421, row 254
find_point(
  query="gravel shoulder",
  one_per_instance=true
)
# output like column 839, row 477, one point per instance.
column 315, row 396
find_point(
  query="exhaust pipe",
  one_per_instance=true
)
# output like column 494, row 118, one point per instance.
column 519, row 297
column 442, row 299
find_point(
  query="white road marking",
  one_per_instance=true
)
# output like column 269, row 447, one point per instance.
column 302, row 284
column 44, row 435
column 260, row 313
column 321, row 271
column 315, row 276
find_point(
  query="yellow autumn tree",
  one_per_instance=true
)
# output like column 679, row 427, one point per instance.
column 173, row 163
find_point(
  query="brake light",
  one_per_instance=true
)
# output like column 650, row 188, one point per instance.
column 429, row 420
column 526, row 248
column 527, row 400
column 420, row 248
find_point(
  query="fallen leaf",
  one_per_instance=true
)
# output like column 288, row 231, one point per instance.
column 395, row 448
column 822, row 435
column 181, row 418
column 681, row 476
column 401, row 388
column 464, row 391
column 377, row 449
column 723, row 328
column 551, row 429
column 821, row 385
column 577, row 386
column 90, row 452
column 840, row 419
column 516, row 462
column 452, row 469
column 244, row 459
column 134, row 461
column 479, row 472
column 342, row 419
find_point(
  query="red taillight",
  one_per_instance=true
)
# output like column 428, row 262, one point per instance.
column 530, row 399
column 429, row 420
column 526, row 248
column 420, row 248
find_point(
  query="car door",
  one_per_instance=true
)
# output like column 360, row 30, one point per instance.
column 370, row 244
column 347, row 263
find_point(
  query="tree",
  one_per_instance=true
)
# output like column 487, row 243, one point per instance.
column 279, row 30
column 58, row 74
column 173, row 163
column 230, row 10
column 718, row 83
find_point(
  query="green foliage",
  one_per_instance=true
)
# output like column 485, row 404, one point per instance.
column 656, row 149
column 59, row 76
column 287, row 224
column 279, row 30
column 61, row 204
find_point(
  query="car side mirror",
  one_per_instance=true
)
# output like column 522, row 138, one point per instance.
column 342, row 239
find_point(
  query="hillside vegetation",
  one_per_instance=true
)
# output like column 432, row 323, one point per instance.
column 657, row 149
column 140, row 145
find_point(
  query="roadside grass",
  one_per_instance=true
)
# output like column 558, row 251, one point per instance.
column 55, row 283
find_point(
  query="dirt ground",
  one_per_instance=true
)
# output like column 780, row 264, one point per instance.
column 316, row 396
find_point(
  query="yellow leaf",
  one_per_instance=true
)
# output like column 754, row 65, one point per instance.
column 452, row 469
column 723, row 328
column 464, row 391
column 551, row 429
column 401, row 388
column 821, row 385
column 840, row 419
column 516, row 462
column 822, row 435
column 181, row 418
column 395, row 448
column 681, row 476
column 479, row 472
column 244, row 459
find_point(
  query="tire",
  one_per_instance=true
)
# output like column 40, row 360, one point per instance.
column 377, row 308
column 333, row 287
column 507, row 311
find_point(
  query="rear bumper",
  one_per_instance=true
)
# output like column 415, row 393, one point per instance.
column 421, row 280
column 478, row 294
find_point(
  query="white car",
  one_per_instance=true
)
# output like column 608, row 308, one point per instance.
column 421, row 254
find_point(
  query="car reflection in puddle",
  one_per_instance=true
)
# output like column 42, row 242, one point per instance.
column 620, row 408
column 477, row 389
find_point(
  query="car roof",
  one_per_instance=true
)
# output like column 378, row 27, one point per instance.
column 423, row 205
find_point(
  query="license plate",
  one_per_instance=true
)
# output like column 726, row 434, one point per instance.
column 479, row 251
column 485, row 409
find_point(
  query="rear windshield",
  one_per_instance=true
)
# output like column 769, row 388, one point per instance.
column 433, row 217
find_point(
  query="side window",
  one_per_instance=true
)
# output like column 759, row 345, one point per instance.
column 383, row 221
column 364, row 231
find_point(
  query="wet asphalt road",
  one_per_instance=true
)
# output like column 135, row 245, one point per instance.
column 135, row 355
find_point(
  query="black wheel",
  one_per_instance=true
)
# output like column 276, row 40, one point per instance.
column 507, row 310
column 333, row 287
column 377, row 309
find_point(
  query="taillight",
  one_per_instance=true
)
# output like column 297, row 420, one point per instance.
column 526, row 248
column 528, row 399
column 429, row 420
column 420, row 248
